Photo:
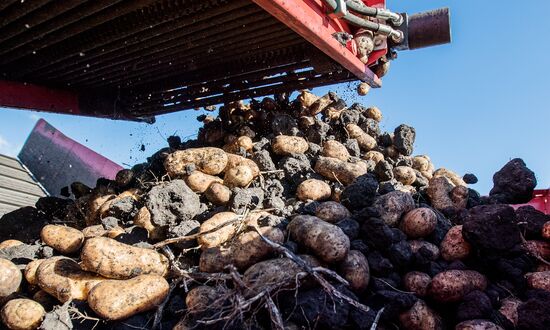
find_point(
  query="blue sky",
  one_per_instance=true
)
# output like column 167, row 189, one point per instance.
column 475, row 104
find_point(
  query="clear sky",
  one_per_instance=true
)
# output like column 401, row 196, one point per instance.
column 475, row 103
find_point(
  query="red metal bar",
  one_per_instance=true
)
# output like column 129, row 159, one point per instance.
column 32, row 97
column 308, row 19
column 540, row 201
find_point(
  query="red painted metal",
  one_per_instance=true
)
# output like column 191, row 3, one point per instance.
column 308, row 18
column 32, row 97
column 540, row 201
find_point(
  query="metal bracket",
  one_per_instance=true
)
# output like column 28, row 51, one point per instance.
column 340, row 11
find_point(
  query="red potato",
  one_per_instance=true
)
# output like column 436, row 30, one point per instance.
column 452, row 285
column 417, row 282
column 420, row 317
column 332, row 212
column 477, row 325
column 539, row 280
column 355, row 269
column 432, row 248
column 546, row 230
column 419, row 222
column 454, row 246
column 509, row 308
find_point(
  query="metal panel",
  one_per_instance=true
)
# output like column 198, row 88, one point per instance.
column 56, row 160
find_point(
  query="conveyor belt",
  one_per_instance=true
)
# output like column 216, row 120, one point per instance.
column 157, row 56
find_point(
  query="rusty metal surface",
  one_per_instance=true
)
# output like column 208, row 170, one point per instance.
column 157, row 56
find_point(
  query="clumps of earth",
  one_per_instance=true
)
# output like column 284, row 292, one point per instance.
column 282, row 214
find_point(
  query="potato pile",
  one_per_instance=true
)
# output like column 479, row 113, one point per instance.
column 283, row 214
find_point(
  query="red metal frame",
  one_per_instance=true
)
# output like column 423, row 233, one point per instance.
column 540, row 201
column 308, row 18
column 32, row 97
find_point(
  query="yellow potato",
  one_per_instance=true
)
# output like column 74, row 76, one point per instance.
column 363, row 89
column 199, row 182
column 64, row 279
column 306, row 98
column 207, row 160
column 325, row 240
column 30, row 271
column 10, row 278
column 143, row 220
column 332, row 212
column 454, row 246
column 238, row 176
column 365, row 141
column 335, row 149
column 337, row 170
column 404, row 174
column 285, row 145
column 452, row 176
column 444, row 195
column 10, row 243
column 94, row 204
column 64, row 239
column 202, row 298
column 236, row 160
column 236, row 144
column 375, row 156
column 313, row 189
column 319, row 105
column 218, row 194
column 118, row 300
column 227, row 228
column 422, row 163
column 113, row 259
column 374, row 113
column 22, row 314
column 94, row 231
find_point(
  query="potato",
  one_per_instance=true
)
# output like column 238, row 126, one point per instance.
column 539, row 280
column 337, row 170
column 454, row 246
column 326, row 240
column 94, row 205
column 404, row 174
column 64, row 239
column 509, row 308
column 363, row 89
column 202, row 298
column 452, row 176
column 332, row 212
column 10, row 243
column 420, row 317
column 10, row 279
column 452, row 285
column 355, row 269
column 113, row 259
column 365, row 141
column 319, row 105
column 446, row 196
column 199, row 182
column 94, row 231
column 118, row 300
column 238, row 176
column 248, row 248
column 282, row 271
column 227, row 225
column 332, row 113
column 218, row 194
column 22, row 314
column 236, row 144
column 375, row 156
column 546, row 230
column 417, row 282
column 422, row 163
column 236, row 160
column 374, row 113
column 143, row 220
column 432, row 248
column 207, row 160
column 477, row 325
column 419, row 222
column 335, row 149
column 285, row 145
column 306, row 98
column 30, row 271
column 63, row 278
column 542, row 267
column 538, row 248
column 313, row 189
